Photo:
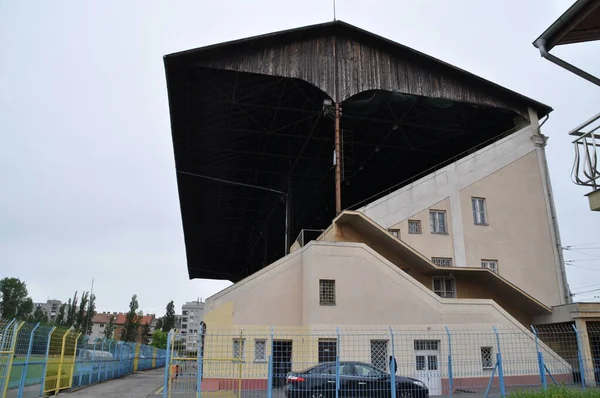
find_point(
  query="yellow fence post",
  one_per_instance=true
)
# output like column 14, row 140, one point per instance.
column 136, row 358
column 11, row 354
column 60, row 363
column 154, row 358
column 74, row 359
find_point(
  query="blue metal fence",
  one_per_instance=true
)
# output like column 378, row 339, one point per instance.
column 381, row 362
column 28, row 354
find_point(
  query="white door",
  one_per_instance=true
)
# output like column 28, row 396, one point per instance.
column 428, row 371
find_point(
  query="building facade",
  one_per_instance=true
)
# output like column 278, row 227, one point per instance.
column 192, row 314
column 50, row 308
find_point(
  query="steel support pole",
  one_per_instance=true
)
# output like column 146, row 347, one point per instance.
column 392, row 367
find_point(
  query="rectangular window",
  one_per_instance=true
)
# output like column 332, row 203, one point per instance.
column 437, row 221
column 184, row 312
column 486, row 358
column 101, row 325
column 442, row 261
column 327, row 291
column 327, row 350
column 492, row 265
column 238, row 348
column 379, row 354
column 479, row 216
column 427, row 345
column 414, row 226
column 260, row 350
column 444, row 287
column 395, row 232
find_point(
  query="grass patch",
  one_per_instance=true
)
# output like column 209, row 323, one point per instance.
column 558, row 392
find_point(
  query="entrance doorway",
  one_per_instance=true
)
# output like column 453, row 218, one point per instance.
column 427, row 365
column 282, row 361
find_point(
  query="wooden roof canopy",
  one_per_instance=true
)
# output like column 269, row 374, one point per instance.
column 251, row 113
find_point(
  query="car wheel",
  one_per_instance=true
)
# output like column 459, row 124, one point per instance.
column 405, row 394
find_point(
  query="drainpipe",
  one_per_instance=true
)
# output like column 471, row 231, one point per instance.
column 541, row 45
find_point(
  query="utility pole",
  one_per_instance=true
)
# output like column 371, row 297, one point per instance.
column 338, row 163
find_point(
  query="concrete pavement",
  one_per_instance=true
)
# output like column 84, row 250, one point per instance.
column 137, row 385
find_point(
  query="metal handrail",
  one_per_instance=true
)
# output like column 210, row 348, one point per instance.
column 585, row 165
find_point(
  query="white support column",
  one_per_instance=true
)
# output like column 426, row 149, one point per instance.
column 540, row 142
column 458, row 234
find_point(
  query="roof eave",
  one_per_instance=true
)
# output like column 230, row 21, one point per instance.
column 549, row 37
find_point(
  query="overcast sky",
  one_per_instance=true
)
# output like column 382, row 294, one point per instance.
column 87, row 179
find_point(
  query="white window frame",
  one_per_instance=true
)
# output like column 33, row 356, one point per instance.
column 395, row 232
column 490, row 264
column 257, row 343
column 444, row 293
column 434, row 222
column 442, row 261
column 478, row 206
column 418, row 224
column 240, row 349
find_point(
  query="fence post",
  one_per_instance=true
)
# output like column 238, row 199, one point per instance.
column 450, row 373
column 499, row 362
column 26, row 366
column 168, row 365
column 16, row 326
column 540, row 358
column 580, row 357
column 270, row 367
column 200, row 358
column 74, row 361
column 46, row 361
column 337, row 364
column 393, row 366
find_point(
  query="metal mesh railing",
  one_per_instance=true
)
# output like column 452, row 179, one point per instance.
column 381, row 361
column 40, row 359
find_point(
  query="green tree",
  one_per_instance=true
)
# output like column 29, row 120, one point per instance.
column 80, row 318
column 159, row 323
column 39, row 316
column 14, row 300
column 90, row 314
column 159, row 339
column 60, row 317
column 72, row 311
column 146, row 335
column 169, row 318
column 132, row 321
column 110, row 328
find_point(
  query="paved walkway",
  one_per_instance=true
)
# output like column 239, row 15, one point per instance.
column 137, row 385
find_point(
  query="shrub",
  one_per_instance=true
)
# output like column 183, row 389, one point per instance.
column 557, row 392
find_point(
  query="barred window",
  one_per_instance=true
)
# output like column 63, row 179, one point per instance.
column 260, row 350
column 437, row 221
column 479, row 216
column 442, row 261
column 492, row 265
column 486, row 358
column 427, row 345
column 238, row 348
column 395, row 232
column 444, row 287
column 327, row 292
column 414, row 226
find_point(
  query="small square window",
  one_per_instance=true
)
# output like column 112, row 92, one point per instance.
column 395, row 232
column 260, row 350
column 492, row 265
column 238, row 348
column 437, row 221
column 444, row 287
column 327, row 292
column 414, row 226
column 442, row 261
column 486, row 358
column 479, row 215
column 101, row 325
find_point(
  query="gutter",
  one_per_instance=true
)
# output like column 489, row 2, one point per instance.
column 540, row 44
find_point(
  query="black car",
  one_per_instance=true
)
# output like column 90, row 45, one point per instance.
column 357, row 380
